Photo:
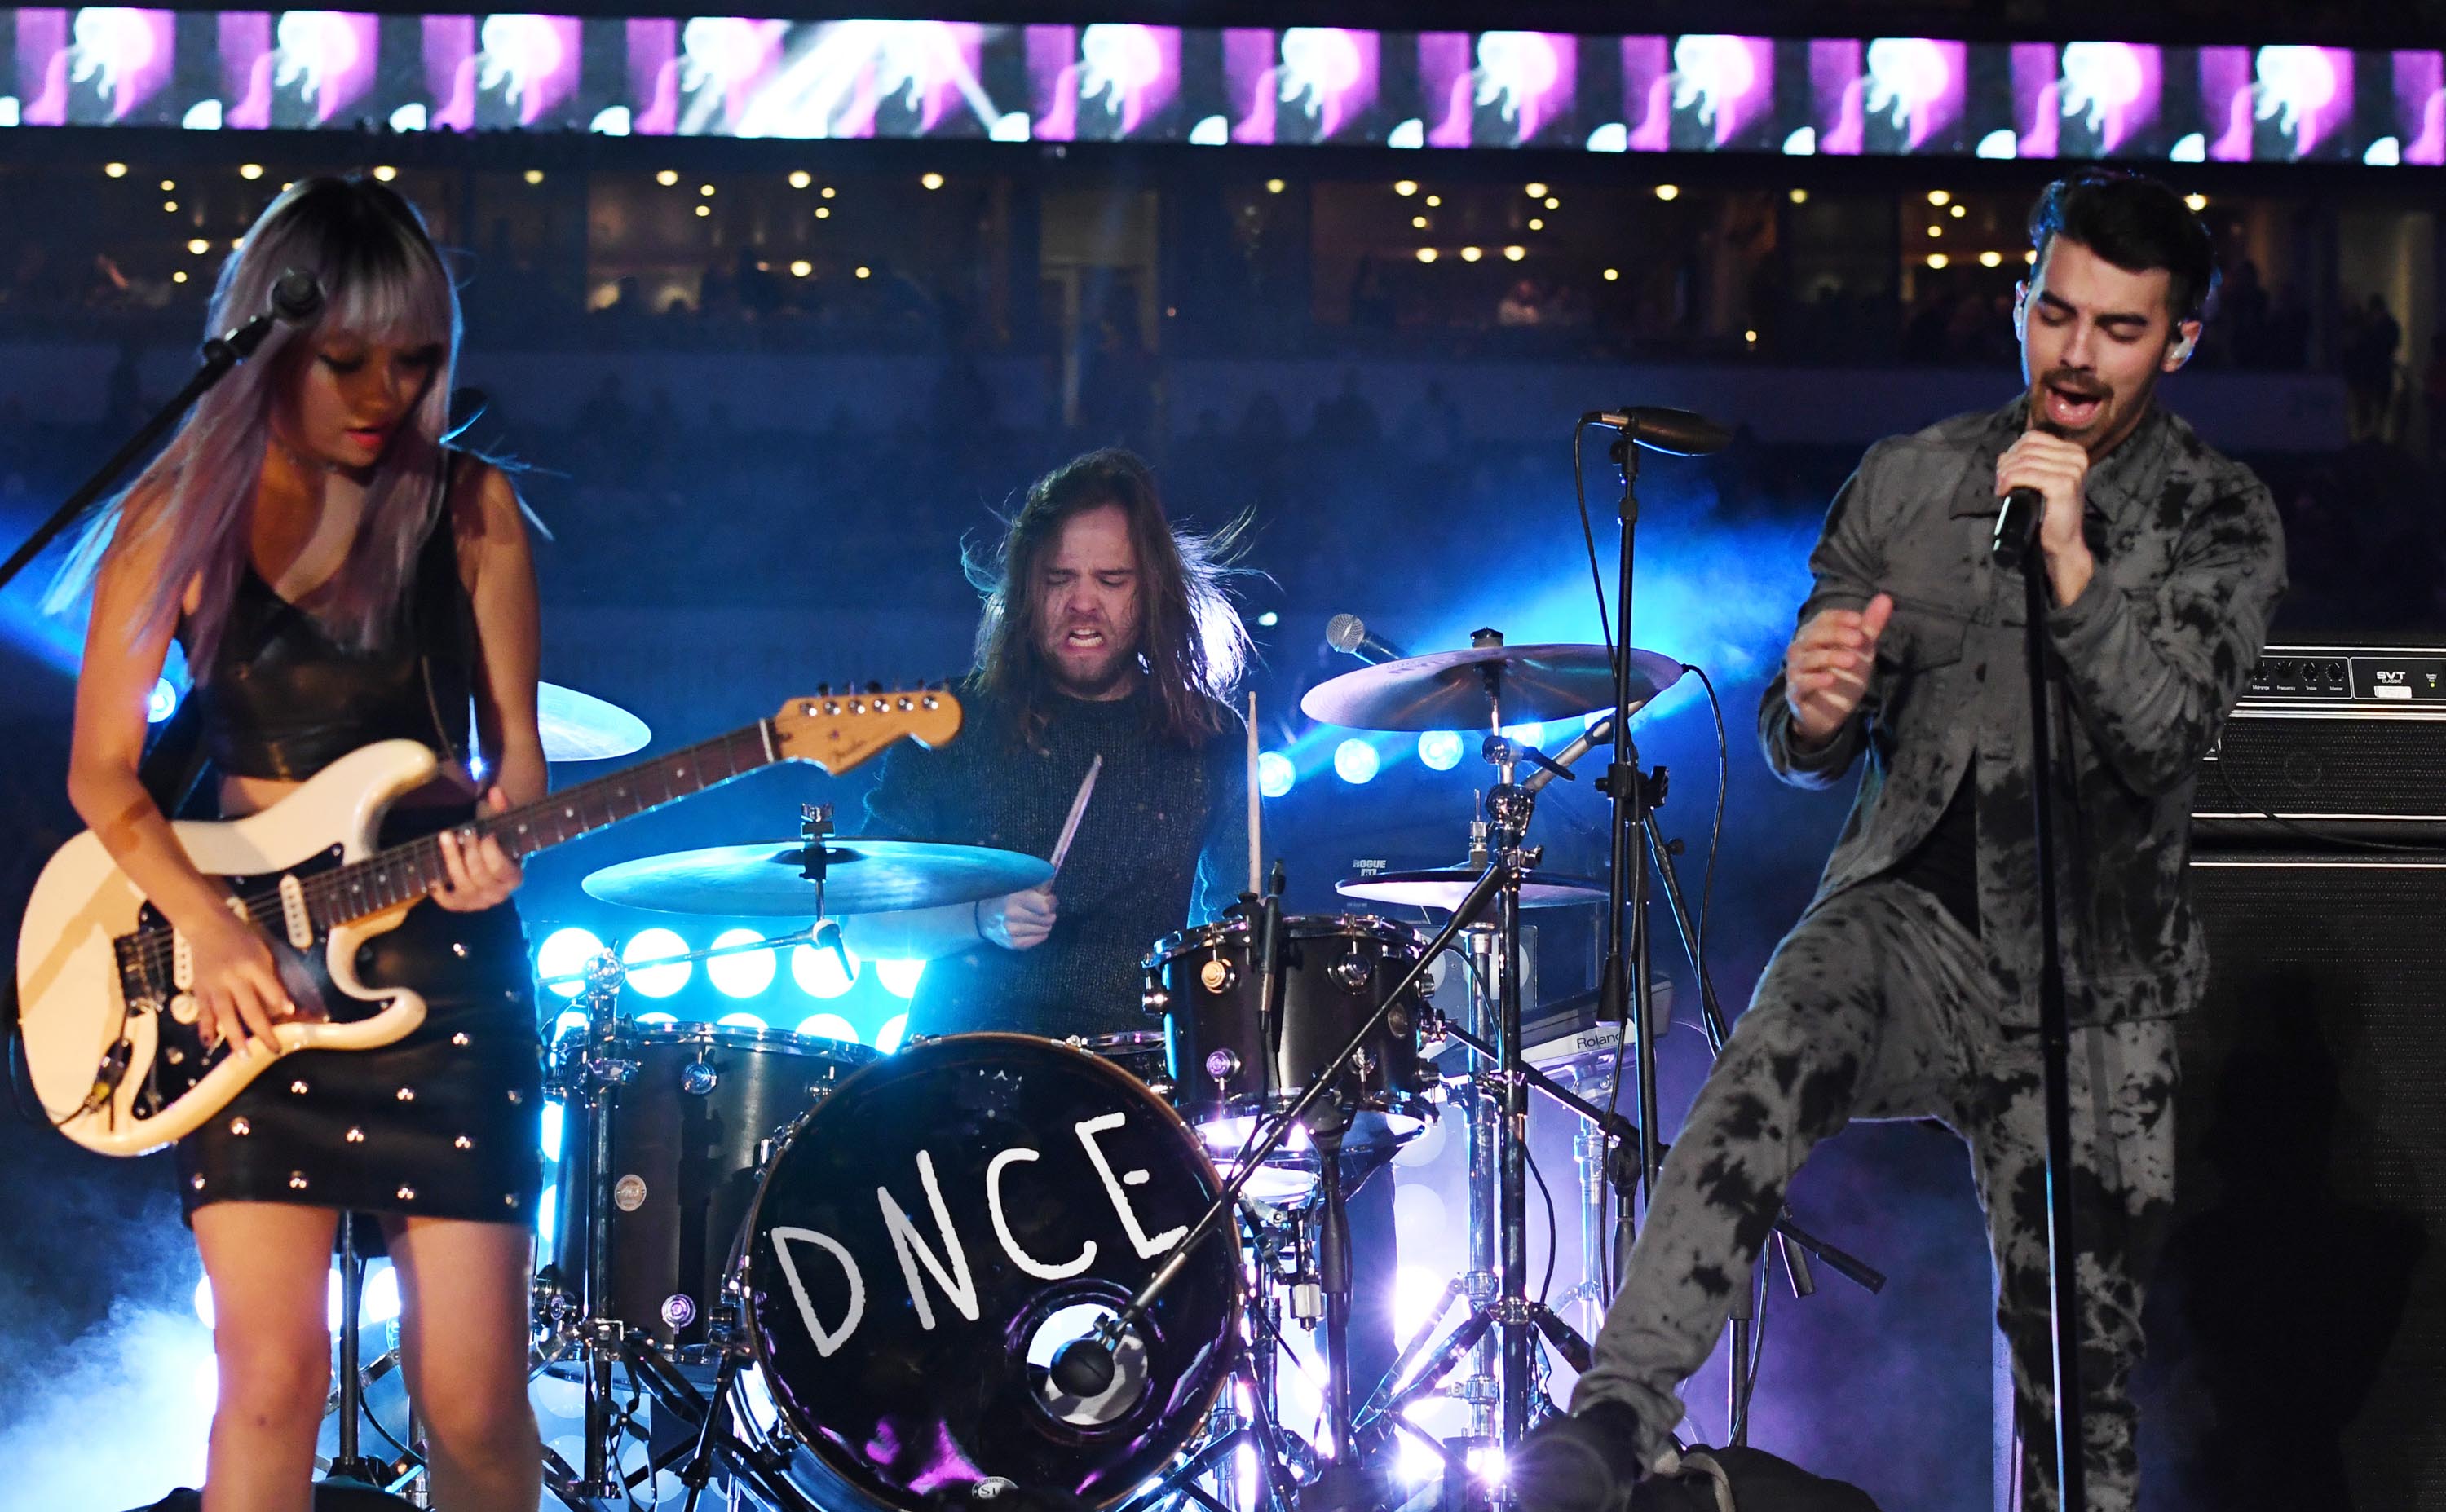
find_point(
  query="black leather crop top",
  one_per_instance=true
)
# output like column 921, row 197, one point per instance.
column 284, row 699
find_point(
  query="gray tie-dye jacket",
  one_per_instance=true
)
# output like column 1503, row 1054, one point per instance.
column 2150, row 658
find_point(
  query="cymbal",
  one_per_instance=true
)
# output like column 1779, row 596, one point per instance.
column 861, row 876
column 581, row 727
column 1443, row 887
column 1450, row 690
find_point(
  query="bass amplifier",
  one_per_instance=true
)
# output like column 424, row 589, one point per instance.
column 2331, row 745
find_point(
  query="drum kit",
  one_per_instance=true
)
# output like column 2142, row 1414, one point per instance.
column 994, row 1262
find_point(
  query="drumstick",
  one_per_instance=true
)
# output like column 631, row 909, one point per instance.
column 1078, row 812
column 1257, row 883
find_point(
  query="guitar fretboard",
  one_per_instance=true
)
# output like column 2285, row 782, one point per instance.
column 403, row 873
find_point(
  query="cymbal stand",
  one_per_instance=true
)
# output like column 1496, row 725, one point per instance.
column 347, row 1468
column 591, row 1074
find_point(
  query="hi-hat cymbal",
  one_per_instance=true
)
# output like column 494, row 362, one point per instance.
column 581, row 727
column 860, row 876
column 1443, row 887
column 1458, row 690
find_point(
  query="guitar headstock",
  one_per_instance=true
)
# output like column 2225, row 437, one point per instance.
column 840, row 731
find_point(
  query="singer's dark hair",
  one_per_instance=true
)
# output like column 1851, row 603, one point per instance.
column 184, row 516
column 1190, row 640
column 2137, row 223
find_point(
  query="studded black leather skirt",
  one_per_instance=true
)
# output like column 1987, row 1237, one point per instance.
column 443, row 1121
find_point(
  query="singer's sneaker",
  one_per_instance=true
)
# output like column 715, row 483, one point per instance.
column 1585, row 1463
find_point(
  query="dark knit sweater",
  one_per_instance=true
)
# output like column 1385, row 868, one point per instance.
column 1165, row 843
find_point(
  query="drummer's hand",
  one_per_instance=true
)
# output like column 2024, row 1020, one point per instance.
column 1019, row 921
column 482, row 875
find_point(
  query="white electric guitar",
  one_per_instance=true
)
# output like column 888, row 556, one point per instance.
column 102, row 979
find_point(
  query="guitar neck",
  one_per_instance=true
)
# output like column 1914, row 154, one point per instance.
column 403, row 873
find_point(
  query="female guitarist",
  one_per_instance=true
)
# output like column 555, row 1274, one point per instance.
column 337, row 575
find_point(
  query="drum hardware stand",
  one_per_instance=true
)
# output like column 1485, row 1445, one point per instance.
column 1085, row 1365
column 359, row 1473
column 596, row 1079
column 715, row 1439
column 814, row 828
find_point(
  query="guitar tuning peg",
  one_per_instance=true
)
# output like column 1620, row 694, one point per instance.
column 823, row 690
column 875, row 687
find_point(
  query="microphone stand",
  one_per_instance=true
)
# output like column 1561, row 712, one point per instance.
column 221, row 354
column 1621, row 987
column 2055, row 1039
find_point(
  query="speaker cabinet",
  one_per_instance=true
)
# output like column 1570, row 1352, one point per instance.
column 2297, row 1320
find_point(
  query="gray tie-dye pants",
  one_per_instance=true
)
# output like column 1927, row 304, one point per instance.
column 1879, row 1005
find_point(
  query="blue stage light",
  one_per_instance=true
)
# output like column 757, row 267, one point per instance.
column 899, row 977
column 565, row 953
column 1533, row 733
column 552, row 1128
column 1355, row 761
column 649, row 945
column 819, row 972
column 745, row 973
column 829, row 1026
column 743, row 1020
column 1440, row 750
column 888, row 1038
column 1275, row 774
column 164, row 702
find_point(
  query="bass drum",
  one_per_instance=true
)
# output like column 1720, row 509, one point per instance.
column 943, row 1223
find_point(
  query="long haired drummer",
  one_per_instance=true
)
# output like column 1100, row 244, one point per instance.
column 336, row 575
column 1106, row 634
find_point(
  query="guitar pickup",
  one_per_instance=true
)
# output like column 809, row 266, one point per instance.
column 293, row 916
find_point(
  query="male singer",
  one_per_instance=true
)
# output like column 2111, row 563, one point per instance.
column 1909, row 987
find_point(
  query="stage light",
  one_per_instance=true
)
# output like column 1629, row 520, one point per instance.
column 1273, row 186
column 1418, row 222
column 384, row 174
column 829, row 1026
column 1936, row 231
column 1750, row 336
column 1434, row 201
column 169, row 185
column 801, row 179
column 1535, row 224
column 1440, row 750
column 745, row 973
column 2030, row 256
column 1355, row 761
column 1405, row 186
column 1426, row 255
column 570, row 1019
column 1537, row 191
column 115, row 170
column 249, row 170
column 1959, row 210
column 162, row 702
column 1513, row 255
column 741, row 1019
column 704, row 211
column 2197, row 202
column 667, row 177
column 1470, row 254
column 1613, row 275
column 1663, row 192
column 829, row 191
column 1938, row 260
column 649, row 945
column 823, row 211
column 171, row 206
column 1991, row 259
column 1939, row 197
column 534, row 176
column 1553, row 203
column 819, row 973
column 204, row 1292
column 932, row 181
column 549, row 1138
column 179, row 278
column 547, row 1221
column 198, row 246
column 379, row 1301
column 565, row 952
column 864, row 272
column 887, row 1038
column 801, row 268
column 1270, row 619
column 705, row 191
column 657, row 1018
column 899, row 977
column 1799, row 197
column 1275, row 775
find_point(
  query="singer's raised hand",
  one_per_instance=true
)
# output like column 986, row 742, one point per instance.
column 1826, row 667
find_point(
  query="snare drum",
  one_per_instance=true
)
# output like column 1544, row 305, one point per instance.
column 1336, row 969
column 687, row 1131
column 927, row 1237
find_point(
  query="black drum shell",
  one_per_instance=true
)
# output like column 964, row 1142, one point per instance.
column 684, row 1164
column 899, row 1410
column 1336, row 969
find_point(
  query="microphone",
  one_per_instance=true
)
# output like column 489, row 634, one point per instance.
column 1674, row 431
column 1588, row 739
column 2016, row 526
column 296, row 296
column 1348, row 633
column 1083, row 1367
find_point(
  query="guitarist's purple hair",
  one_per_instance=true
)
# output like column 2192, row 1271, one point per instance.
column 382, row 281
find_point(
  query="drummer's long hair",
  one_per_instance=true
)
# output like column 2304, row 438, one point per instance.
column 383, row 280
column 1190, row 640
